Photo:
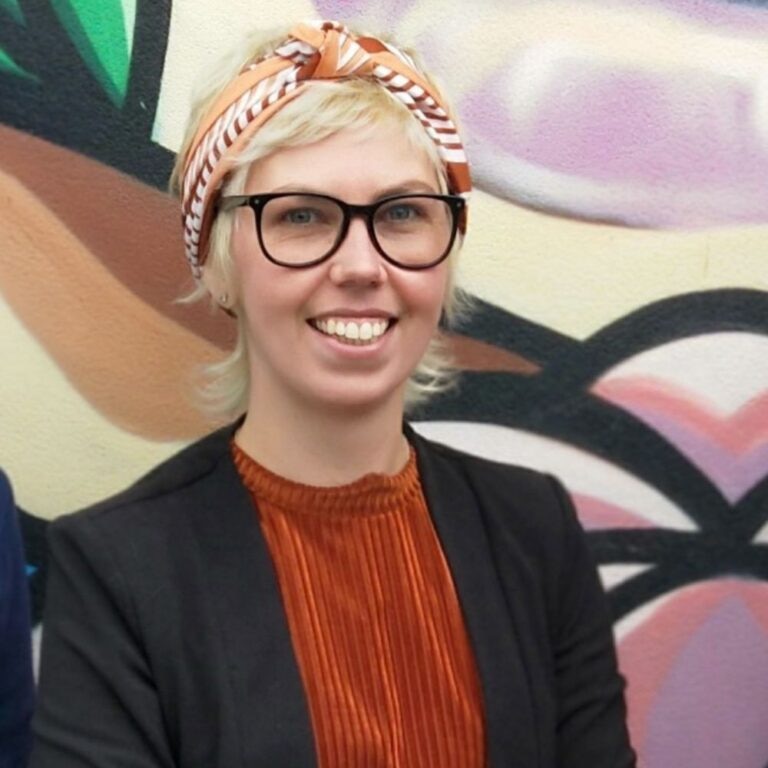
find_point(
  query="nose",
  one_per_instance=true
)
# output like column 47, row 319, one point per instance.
column 357, row 260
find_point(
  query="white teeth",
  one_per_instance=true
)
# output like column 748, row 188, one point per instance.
column 351, row 330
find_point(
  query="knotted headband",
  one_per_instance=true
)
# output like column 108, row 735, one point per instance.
column 322, row 50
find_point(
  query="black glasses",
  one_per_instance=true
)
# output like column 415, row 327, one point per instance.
column 301, row 230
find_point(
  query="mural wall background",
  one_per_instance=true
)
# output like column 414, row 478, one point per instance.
column 618, row 251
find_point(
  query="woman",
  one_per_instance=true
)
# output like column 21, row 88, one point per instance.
column 317, row 585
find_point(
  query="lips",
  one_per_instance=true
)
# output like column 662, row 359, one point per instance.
column 358, row 331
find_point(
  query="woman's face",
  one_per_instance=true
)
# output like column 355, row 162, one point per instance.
column 293, row 316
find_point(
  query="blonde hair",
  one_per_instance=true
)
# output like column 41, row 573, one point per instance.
column 322, row 109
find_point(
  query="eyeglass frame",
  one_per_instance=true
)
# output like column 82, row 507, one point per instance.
column 256, row 203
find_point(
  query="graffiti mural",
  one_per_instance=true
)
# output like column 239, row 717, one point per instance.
column 616, row 255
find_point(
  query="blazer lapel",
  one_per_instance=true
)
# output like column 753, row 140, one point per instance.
column 259, row 658
column 510, row 722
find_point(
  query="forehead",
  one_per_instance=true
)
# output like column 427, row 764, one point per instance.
column 360, row 161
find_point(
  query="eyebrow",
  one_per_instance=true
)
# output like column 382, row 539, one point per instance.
column 411, row 186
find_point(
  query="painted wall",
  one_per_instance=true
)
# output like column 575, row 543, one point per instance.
column 618, row 250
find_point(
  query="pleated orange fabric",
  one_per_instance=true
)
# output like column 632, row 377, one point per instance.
column 374, row 619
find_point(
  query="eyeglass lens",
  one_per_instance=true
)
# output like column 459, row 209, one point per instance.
column 410, row 230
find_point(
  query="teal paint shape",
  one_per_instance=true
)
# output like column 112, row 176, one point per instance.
column 129, row 16
column 14, row 9
column 97, row 28
column 7, row 64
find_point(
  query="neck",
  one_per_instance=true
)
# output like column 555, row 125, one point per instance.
column 324, row 446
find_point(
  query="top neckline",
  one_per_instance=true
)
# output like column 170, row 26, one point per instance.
column 373, row 493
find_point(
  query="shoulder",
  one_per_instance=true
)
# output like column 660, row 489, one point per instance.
column 544, row 566
column 150, row 534
column 526, row 514
column 487, row 470
column 165, row 490
column 499, row 486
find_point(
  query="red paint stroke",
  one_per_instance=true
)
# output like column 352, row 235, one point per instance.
column 731, row 450
column 596, row 514
column 742, row 431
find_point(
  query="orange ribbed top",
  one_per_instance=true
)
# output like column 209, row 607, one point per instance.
column 374, row 619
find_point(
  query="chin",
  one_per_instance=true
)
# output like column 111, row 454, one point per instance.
column 360, row 395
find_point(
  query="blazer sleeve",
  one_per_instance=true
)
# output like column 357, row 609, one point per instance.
column 97, row 703
column 16, row 683
column 591, row 717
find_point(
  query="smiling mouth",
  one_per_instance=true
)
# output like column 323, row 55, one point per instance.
column 357, row 332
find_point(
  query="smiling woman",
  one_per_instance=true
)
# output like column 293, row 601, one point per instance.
column 323, row 110
column 316, row 584
column 348, row 283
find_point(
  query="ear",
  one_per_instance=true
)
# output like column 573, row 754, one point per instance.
column 213, row 283
column 218, row 289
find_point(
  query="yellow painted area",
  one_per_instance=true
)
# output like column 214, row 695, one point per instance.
column 200, row 33
column 576, row 277
column 59, row 452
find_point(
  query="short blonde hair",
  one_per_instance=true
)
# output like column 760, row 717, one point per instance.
column 322, row 109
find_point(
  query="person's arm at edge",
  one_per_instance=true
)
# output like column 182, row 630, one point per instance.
column 16, row 679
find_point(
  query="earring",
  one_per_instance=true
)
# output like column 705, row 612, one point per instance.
column 224, row 300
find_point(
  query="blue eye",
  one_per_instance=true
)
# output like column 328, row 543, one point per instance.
column 401, row 212
column 301, row 216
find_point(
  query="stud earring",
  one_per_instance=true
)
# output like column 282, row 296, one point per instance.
column 224, row 300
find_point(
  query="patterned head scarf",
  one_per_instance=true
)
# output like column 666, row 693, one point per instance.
column 315, row 51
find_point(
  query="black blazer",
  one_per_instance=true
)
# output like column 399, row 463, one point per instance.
column 166, row 644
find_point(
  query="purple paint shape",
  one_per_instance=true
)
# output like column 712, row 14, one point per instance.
column 746, row 19
column 626, row 126
column 712, row 709
column 647, row 127
column 351, row 11
column 487, row 117
column 749, row 19
column 733, row 473
column 645, row 146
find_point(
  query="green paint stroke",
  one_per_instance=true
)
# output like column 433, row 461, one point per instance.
column 13, row 7
column 7, row 64
column 97, row 28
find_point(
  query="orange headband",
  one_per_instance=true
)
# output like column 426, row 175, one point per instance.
column 314, row 51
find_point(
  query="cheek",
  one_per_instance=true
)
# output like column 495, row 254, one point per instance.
column 428, row 294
